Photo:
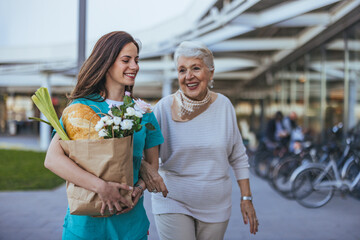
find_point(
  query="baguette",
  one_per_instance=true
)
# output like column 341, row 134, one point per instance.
column 77, row 118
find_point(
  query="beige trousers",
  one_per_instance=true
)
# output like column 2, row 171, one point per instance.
column 175, row 226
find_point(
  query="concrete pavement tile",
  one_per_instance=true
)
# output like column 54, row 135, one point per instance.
column 53, row 226
column 42, row 234
column 279, row 218
column 6, row 223
column 9, row 236
column 57, row 232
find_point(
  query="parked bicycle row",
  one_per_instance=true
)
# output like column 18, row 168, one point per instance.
column 311, row 173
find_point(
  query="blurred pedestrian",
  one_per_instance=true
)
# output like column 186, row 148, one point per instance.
column 277, row 132
column 296, row 132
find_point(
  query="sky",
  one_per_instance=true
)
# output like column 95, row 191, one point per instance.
column 36, row 22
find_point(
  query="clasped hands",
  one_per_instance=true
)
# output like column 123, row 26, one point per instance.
column 110, row 191
column 112, row 199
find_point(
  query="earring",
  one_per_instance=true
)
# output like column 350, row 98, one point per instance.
column 212, row 83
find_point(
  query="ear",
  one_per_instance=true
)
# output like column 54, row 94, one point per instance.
column 212, row 73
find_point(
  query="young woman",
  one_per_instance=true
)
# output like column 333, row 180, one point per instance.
column 109, row 71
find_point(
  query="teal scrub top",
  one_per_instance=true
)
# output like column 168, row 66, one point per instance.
column 131, row 225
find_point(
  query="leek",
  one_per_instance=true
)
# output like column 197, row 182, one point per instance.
column 42, row 100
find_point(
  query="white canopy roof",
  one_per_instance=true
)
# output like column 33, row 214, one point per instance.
column 248, row 38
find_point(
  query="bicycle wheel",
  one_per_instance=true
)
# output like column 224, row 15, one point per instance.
column 351, row 173
column 310, row 187
column 262, row 164
column 282, row 173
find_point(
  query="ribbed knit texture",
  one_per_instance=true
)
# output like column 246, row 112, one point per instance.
column 195, row 161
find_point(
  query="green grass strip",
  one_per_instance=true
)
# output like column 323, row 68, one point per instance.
column 24, row 170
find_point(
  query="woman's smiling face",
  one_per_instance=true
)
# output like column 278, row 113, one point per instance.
column 124, row 69
column 193, row 76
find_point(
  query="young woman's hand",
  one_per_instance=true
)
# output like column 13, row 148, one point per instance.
column 138, row 191
column 109, row 193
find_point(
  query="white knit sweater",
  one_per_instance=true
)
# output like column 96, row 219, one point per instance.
column 195, row 160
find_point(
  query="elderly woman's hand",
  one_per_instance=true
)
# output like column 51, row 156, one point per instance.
column 249, row 215
column 152, row 179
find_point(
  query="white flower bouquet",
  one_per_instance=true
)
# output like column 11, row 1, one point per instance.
column 123, row 120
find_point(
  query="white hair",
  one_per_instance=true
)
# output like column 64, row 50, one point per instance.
column 194, row 49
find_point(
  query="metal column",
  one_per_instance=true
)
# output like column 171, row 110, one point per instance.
column 350, row 91
column 323, row 93
column 45, row 129
column 293, row 96
column 283, row 95
column 81, row 33
column 306, row 91
column 167, row 80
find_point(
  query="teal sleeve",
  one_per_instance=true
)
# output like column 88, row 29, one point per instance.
column 153, row 137
column 54, row 131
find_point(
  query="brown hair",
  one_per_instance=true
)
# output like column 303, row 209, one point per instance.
column 92, row 75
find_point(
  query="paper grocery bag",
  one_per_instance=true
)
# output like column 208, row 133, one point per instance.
column 109, row 159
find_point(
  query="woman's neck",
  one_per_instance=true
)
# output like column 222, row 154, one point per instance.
column 198, row 98
column 115, row 93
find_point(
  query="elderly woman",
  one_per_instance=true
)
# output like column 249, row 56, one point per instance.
column 202, row 140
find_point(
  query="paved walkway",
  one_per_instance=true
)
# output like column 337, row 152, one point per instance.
column 38, row 215
column 25, row 142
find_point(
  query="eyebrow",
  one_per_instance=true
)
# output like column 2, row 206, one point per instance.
column 127, row 56
column 182, row 66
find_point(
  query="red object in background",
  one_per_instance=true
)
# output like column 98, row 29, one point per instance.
column 55, row 101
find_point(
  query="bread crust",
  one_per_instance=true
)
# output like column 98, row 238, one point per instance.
column 77, row 118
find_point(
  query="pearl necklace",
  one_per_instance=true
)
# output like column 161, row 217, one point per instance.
column 188, row 106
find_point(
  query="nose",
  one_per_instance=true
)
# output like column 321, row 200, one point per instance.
column 188, row 75
column 134, row 65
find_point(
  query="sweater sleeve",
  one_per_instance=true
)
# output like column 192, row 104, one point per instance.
column 157, row 112
column 153, row 137
column 238, row 158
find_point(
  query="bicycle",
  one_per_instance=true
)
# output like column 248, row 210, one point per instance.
column 307, row 152
column 313, row 185
column 265, row 158
column 282, row 171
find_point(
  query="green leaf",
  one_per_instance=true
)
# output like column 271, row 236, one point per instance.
column 137, row 120
column 137, row 128
column 127, row 100
column 40, row 120
column 150, row 126
column 109, row 134
column 122, row 110
column 116, row 112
